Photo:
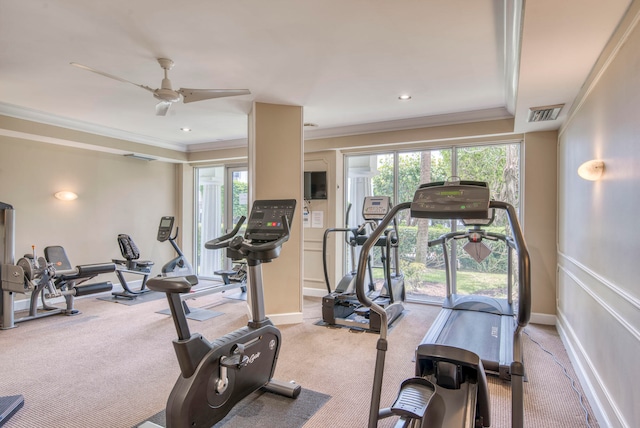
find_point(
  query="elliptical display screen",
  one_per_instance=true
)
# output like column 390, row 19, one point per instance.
column 375, row 207
column 265, row 220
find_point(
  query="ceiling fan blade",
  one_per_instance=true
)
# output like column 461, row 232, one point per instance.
column 111, row 76
column 191, row 95
column 162, row 108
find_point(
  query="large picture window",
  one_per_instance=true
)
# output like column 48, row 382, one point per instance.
column 398, row 174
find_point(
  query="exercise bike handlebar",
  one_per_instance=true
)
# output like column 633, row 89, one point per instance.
column 246, row 247
column 224, row 240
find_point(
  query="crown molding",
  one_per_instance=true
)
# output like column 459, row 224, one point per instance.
column 76, row 125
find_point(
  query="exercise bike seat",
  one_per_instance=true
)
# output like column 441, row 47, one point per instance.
column 173, row 284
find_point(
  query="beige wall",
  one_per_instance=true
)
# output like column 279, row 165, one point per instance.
column 599, row 232
column 539, row 220
column 275, row 172
column 116, row 195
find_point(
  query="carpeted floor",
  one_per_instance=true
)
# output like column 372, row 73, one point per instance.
column 113, row 366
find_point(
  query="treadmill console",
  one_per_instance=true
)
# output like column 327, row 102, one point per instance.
column 165, row 228
column 265, row 220
column 451, row 200
column 375, row 207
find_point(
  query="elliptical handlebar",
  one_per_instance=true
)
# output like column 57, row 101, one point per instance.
column 362, row 266
column 224, row 240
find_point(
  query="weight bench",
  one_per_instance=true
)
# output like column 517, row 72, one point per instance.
column 50, row 277
column 69, row 279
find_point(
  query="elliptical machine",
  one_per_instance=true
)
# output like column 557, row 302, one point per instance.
column 341, row 306
column 178, row 266
column 216, row 375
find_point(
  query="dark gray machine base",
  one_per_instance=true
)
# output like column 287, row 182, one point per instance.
column 9, row 406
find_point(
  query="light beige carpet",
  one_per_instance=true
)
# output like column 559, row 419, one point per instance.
column 113, row 366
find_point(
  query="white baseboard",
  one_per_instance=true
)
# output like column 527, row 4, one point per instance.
column 314, row 292
column 290, row 318
column 545, row 319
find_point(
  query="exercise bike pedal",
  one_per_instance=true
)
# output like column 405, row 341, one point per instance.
column 237, row 360
column 413, row 398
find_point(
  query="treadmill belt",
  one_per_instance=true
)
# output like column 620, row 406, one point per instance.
column 478, row 332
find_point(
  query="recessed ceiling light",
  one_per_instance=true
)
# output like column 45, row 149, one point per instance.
column 185, row 129
column 404, row 97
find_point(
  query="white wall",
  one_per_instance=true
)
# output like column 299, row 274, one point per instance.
column 599, row 233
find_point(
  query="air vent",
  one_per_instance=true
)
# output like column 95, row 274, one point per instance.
column 140, row 157
column 541, row 114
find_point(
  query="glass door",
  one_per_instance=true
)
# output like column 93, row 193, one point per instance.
column 237, row 200
column 209, row 218
column 221, row 200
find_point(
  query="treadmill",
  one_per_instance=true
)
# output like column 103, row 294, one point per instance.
column 491, row 328
column 495, row 348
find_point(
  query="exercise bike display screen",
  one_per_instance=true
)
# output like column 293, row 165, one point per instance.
column 165, row 228
column 265, row 221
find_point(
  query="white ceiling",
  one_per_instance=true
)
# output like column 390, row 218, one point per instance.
column 345, row 61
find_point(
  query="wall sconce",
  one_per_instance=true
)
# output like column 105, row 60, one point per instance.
column 66, row 195
column 591, row 170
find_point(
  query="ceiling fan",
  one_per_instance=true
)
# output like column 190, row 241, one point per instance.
column 167, row 95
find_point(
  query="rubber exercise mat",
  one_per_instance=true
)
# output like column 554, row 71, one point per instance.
column 142, row 298
column 266, row 410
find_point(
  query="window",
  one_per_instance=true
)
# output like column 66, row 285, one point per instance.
column 398, row 174
column 220, row 202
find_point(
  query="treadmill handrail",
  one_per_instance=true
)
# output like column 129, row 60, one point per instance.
column 524, row 264
column 460, row 234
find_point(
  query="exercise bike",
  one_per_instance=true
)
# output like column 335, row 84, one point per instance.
column 216, row 375
column 178, row 266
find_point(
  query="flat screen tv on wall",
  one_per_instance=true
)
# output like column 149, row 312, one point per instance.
column 315, row 185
